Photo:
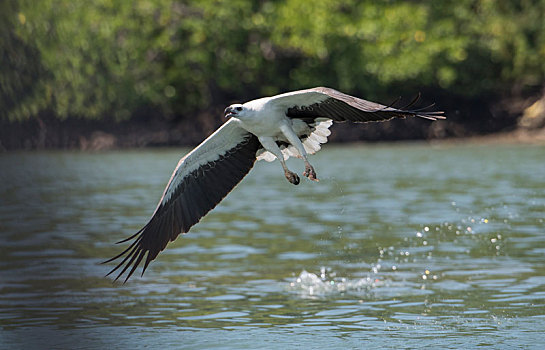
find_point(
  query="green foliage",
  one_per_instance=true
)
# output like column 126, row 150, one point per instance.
column 19, row 67
column 168, row 58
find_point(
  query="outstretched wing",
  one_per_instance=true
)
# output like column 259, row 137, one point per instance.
column 200, row 181
column 329, row 103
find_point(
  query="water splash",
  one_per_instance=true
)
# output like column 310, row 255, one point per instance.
column 311, row 285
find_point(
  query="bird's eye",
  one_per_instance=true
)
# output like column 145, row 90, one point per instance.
column 239, row 109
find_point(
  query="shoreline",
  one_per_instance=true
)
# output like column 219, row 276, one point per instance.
column 518, row 136
column 103, row 142
column 91, row 136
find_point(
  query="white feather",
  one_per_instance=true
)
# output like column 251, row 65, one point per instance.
column 297, row 98
column 225, row 138
column 312, row 143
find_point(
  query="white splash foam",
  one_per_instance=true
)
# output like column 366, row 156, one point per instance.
column 310, row 284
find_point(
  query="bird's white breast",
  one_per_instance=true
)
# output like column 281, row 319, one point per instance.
column 265, row 119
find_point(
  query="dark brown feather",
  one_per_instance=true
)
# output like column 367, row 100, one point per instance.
column 341, row 107
column 198, row 193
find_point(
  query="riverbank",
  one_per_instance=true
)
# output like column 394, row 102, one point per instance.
column 523, row 124
column 89, row 136
column 518, row 136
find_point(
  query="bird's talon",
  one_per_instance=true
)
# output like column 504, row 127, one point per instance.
column 310, row 173
column 292, row 177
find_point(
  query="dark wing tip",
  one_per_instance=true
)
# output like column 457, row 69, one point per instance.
column 343, row 107
column 413, row 102
column 431, row 115
column 422, row 112
column 147, row 242
column 133, row 251
column 194, row 196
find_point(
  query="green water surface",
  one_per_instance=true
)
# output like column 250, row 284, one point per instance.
column 397, row 246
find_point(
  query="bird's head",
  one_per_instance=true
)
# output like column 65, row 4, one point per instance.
column 235, row 110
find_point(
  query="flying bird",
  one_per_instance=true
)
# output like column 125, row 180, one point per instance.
column 293, row 124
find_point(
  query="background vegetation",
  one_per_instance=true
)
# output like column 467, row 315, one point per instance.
column 173, row 60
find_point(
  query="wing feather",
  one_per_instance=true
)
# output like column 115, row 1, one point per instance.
column 329, row 103
column 199, row 182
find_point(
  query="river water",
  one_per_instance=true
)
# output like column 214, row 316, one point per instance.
column 398, row 246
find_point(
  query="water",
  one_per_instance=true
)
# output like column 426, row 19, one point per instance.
column 398, row 246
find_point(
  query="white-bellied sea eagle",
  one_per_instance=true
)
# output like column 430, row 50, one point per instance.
column 290, row 124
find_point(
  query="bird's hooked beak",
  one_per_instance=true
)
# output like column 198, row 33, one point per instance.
column 229, row 112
